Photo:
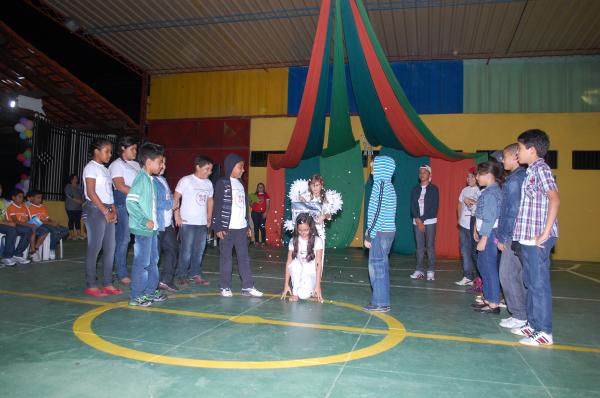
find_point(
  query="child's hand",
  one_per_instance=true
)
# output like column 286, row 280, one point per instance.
column 501, row 247
column 420, row 225
column 475, row 236
column 318, row 294
column 539, row 240
column 302, row 198
column 482, row 243
column 367, row 244
column 221, row 234
column 178, row 220
column 249, row 233
column 286, row 291
column 150, row 224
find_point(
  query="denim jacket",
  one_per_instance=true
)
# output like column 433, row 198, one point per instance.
column 511, row 198
column 164, row 201
column 488, row 208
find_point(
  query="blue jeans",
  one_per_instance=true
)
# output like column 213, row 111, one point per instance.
column 466, row 252
column 379, row 268
column 193, row 243
column 56, row 233
column 12, row 233
column 122, row 237
column 144, row 272
column 536, row 277
column 487, row 262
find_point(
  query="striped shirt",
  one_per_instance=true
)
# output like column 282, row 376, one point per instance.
column 533, row 210
column 381, row 216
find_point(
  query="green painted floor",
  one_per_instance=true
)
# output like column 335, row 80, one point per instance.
column 448, row 350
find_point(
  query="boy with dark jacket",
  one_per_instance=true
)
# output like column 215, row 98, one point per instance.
column 230, row 223
column 424, row 204
column 143, row 223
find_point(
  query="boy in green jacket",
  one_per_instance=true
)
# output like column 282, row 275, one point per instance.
column 141, row 206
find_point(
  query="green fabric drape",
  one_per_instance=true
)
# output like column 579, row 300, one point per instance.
column 314, row 145
column 303, row 171
column 340, row 130
column 399, row 92
column 344, row 173
column 374, row 124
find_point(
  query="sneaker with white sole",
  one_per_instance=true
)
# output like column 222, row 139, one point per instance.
column 142, row 301
column 538, row 338
column 8, row 262
column 417, row 275
column 464, row 282
column 512, row 323
column 52, row 255
column 226, row 292
column 252, row 292
column 526, row 330
column 430, row 275
column 21, row 260
column 36, row 257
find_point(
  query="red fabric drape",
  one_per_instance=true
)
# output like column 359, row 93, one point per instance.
column 404, row 129
column 276, row 190
column 302, row 128
column 450, row 178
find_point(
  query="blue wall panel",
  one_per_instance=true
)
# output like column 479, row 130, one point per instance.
column 432, row 87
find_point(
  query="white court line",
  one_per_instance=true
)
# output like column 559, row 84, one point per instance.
column 405, row 287
column 584, row 276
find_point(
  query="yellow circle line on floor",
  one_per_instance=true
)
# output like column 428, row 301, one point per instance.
column 430, row 336
column 393, row 336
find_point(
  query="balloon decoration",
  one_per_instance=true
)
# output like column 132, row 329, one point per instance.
column 24, row 128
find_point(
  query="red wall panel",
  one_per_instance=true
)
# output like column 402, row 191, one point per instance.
column 185, row 139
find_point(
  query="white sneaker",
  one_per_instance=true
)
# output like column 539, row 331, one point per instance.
column 537, row 339
column 21, row 260
column 417, row 275
column 512, row 323
column 526, row 330
column 36, row 257
column 9, row 262
column 430, row 275
column 52, row 255
column 251, row 292
column 464, row 282
column 226, row 292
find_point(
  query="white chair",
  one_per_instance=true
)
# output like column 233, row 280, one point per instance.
column 45, row 249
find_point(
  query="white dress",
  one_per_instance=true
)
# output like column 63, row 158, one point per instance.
column 302, row 273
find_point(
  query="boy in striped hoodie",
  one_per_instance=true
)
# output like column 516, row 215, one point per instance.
column 380, row 232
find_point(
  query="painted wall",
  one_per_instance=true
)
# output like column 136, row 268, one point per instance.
column 470, row 132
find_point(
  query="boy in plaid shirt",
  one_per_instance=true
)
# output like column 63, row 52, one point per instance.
column 536, row 230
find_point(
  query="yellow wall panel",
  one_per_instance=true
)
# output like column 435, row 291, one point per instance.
column 256, row 92
column 568, row 131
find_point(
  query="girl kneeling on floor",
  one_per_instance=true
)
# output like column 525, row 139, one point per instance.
column 303, row 266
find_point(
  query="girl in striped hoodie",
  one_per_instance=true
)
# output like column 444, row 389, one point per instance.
column 381, row 229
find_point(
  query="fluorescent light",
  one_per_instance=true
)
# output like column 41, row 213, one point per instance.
column 12, row 103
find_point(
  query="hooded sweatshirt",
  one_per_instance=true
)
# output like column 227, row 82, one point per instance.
column 381, row 216
column 223, row 196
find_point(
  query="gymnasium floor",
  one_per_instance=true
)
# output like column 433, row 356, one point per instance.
column 57, row 342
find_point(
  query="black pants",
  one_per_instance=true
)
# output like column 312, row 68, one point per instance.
column 237, row 238
column 74, row 219
column 167, row 244
column 259, row 225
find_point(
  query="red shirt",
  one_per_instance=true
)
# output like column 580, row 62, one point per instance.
column 261, row 205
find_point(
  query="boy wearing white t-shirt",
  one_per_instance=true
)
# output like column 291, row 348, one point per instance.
column 193, row 206
column 230, row 223
column 467, row 204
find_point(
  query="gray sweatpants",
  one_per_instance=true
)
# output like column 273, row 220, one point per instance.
column 425, row 242
column 511, row 279
column 237, row 238
column 100, row 235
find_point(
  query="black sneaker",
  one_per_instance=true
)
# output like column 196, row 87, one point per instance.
column 376, row 308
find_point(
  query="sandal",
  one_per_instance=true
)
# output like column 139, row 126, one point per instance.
column 487, row 310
